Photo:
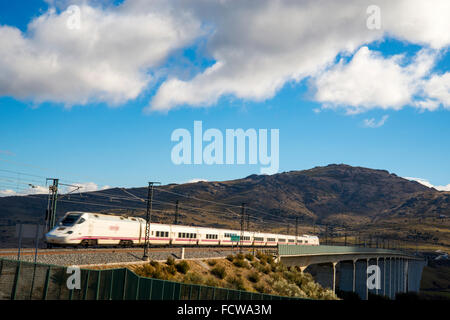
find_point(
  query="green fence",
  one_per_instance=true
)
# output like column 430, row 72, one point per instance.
column 21, row 280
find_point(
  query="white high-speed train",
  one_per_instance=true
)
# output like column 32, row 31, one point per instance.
column 89, row 229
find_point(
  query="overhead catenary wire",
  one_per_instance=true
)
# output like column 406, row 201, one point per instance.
column 265, row 213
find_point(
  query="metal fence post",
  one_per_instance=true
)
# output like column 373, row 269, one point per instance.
column 111, row 285
column 47, row 280
column 136, row 296
column 99, row 275
column 124, row 284
column 16, row 282
column 87, row 285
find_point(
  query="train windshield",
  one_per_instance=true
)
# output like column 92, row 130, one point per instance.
column 70, row 220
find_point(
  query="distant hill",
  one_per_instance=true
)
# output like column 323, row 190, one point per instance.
column 334, row 191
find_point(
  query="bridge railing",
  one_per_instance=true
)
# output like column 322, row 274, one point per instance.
column 20, row 280
column 286, row 250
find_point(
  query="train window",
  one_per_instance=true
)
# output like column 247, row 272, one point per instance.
column 70, row 220
column 259, row 239
column 271, row 239
column 167, row 234
column 306, row 241
column 281, row 240
column 291, row 240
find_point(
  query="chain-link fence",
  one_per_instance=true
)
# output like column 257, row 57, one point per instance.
column 20, row 280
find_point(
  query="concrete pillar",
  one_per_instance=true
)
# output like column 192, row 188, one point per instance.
column 415, row 268
column 323, row 274
column 334, row 276
column 371, row 262
column 388, row 278
column 367, row 289
column 405, row 268
column 361, row 279
column 400, row 280
column 377, row 289
column 346, row 276
column 395, row 277
column 354, row 276
column 384, row 275
column 182, row 253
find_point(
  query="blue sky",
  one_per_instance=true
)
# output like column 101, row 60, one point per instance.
column 115, row 138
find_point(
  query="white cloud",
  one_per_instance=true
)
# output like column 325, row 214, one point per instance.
column 437, row 88
column 196, row 180
column 82, row 187
column 37, row 189
column 107, row 59
column 369, row 80
column 429, row 185
column 7, row 193
column 29, row 190
column 259, row 46
column 372, row 123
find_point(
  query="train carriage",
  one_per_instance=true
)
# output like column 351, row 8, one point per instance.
column 88, row 229
column 184, row 235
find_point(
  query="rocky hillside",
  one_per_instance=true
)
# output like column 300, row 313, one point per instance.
column 312, row 195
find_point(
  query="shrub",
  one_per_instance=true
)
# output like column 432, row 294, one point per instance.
column 170, row 261
column 171, row 269
column 154, row 270
column 284, row 288
column 230, row 257
column 236, row 283
column 249, row 257
column 212, row 282
column 262, row 288
column 154, row 263
column 253, row 277
column 193, row 278
column 212, row 262
column 266, row 269
column 240, row 256
column 260, row 255
column 219, row 272
column 241, row 263
column 147, row 270
column 182, row 267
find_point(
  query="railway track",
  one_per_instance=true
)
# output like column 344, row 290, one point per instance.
column 65, row 251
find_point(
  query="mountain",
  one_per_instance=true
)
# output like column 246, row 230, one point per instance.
column 339, row 192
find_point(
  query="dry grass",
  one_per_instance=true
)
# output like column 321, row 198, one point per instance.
column 263, row 275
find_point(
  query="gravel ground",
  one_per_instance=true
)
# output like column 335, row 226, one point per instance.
column 117, row 256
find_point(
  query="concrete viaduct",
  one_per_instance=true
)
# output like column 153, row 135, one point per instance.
column 347, row 268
